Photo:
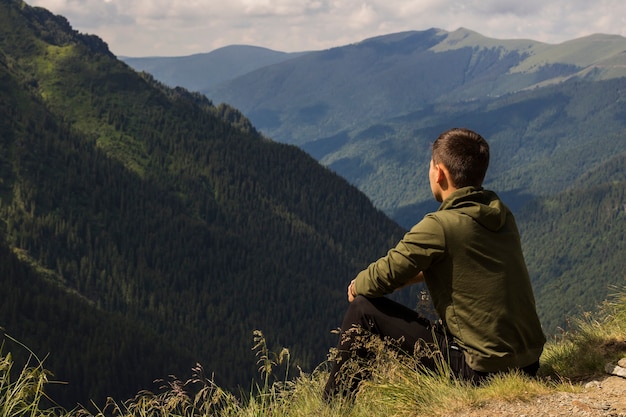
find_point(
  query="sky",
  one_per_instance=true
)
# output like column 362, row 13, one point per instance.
column 140, row 28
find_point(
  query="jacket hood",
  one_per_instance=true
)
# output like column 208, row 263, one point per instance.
column 484, row 206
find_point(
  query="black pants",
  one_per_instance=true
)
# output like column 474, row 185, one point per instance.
column 405, row 328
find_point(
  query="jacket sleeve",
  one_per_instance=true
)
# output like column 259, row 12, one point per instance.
column 417, row 250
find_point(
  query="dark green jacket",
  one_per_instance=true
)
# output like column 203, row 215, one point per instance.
column 470, row 253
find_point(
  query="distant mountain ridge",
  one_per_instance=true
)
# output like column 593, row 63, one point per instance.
column 602, row 54
column 310, row 97
column 201, row 71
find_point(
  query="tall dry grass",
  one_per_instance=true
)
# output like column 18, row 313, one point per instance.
column 22, row 390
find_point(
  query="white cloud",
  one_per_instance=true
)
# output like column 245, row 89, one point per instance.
column 183, row 27
column 278, row 8
column 505, row 7
column 362, row 17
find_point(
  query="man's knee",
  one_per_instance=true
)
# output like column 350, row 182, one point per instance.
column 362, row 306
column 359, row 302
column 359, row 312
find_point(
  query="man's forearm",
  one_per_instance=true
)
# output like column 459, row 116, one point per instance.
column 359, row 285
column 418, row 278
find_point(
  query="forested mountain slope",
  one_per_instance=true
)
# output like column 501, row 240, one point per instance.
column 542, row 141
column 575, row 243
column 143, row 229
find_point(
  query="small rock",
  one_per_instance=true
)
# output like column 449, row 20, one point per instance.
column 592, row 384
column 581, row 405
column 622, row 363
column 615, row 370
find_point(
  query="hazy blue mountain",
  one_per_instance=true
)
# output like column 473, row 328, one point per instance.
column 368, row 109
column 317, row 95
column 206, row 70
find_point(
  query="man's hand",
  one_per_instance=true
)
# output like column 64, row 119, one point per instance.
column 351, row 292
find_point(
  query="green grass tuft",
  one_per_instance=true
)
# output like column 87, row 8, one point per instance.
column 596, row 339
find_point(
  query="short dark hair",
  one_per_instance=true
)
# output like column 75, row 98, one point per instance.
column 465, row 154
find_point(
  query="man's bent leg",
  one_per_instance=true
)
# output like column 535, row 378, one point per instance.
column 385, row 318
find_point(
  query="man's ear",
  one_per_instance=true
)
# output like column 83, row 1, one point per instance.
column 443, row 177
column 440, row 174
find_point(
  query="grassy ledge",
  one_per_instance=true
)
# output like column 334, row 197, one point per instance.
column 397, row 387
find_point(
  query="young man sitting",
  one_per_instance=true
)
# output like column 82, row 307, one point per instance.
column 469, row 254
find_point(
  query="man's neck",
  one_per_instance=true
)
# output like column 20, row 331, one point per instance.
column 446, row 193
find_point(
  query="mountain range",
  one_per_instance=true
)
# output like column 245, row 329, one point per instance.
column 555, row 116
column 145, row 228
column 366, row 109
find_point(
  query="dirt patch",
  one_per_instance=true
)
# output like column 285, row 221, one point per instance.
column 601, row 397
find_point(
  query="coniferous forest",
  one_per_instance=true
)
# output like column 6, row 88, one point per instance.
column 144, row 229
